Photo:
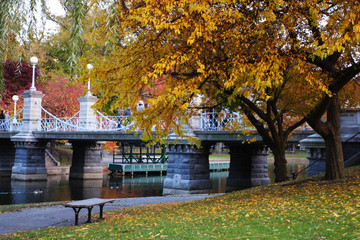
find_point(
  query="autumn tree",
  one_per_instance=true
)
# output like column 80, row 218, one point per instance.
column 232, row 51
column 331, row 45
column 191, row 68
column 350, row 96
column 277, row 115
column 17, row 79
column 61, row 97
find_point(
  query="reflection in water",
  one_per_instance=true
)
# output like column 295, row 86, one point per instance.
column 60, row 188
column 26, row 191
column 83, row 189
column 291, row 168
column 218, row 180
column 54, row 189
column 127, row 187
column 5, row 191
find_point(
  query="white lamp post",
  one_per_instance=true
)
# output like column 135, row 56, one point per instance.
column 33, row 61
column 89, row 66
column 15, row 98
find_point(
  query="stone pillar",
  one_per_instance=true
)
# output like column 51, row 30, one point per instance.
column 29, row 163
column 32, row 112
column 7, row 157
column 187, row 170
column 248, row 166
column 350, row 137
column 315, row 147
column 317, row 161
column 195, row 121
column 87, row 115
column 86, row 160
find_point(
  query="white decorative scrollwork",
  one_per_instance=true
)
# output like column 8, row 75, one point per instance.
column 210, row 121
column 103, row 123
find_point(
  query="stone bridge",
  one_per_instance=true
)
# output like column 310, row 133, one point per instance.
column 23, row 142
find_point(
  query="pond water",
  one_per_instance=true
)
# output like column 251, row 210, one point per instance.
column 60, row 188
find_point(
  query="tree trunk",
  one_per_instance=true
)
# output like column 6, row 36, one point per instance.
column 334, row 152
column 334, row 158
column 331, row 133
column 280, row 169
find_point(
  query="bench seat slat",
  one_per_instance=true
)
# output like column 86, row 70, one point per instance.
column 88, row 202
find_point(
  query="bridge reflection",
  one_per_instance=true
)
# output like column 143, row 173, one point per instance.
column 60, row 188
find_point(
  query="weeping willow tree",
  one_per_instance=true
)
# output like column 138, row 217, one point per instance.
column 20, row 20
column 11, row 16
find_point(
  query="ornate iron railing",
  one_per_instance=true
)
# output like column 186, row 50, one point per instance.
column 50, row 122
column 210, row 121
column 118, row 123
column 224, row 120
column 12, row 124
column 100, row 122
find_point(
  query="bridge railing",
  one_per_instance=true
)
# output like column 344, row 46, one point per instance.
column 112, row 123
column 210, row 121
column 12, row 124
column 118, row 123
column 50, row 122
column 217, row 121
column 60, row 124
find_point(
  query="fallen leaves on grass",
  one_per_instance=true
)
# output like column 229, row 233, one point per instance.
column 309, row 209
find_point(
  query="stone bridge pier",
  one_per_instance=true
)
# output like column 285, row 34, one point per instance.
column 29, row 163
column 248, row 166
column 187, row 170
column 7, row 157
column 86, row 160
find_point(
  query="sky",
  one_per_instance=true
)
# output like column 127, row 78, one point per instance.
column 55, row 8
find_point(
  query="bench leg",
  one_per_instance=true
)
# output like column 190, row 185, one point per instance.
column 101, row 210
column 76, row 215
column 89, row 214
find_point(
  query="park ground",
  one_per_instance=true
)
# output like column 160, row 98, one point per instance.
column 303, row 209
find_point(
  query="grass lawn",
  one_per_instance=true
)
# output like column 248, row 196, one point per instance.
column 17, row 207
column 65, row 148
column 306, row 209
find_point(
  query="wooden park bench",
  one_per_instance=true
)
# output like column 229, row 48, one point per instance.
column 89, row 204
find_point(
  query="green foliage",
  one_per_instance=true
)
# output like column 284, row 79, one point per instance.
column 307, row 209
column 77, row 11
column 21, row 32
column 10, row 24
